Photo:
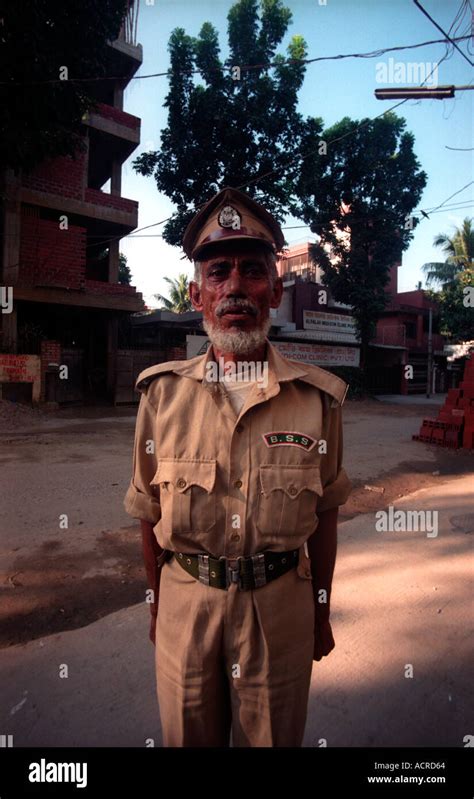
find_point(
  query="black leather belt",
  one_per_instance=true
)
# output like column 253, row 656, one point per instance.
column 249, row 573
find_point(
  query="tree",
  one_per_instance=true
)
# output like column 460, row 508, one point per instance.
column 456, row 303
column 459, row 249
column 125, row 275
column 179, row 293
column 40, row 115
column 357, row 194
column 228, row 129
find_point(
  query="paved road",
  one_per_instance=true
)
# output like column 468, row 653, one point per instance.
column 413, row 399
column 82, row 467
column 401, row 599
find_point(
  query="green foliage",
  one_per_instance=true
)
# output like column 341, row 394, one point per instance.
column 231, row 132
column 459, row 250
column 125, row 275
column 357, row 198
column 37, row 119
column 179, row 301
column 456, row 315
column 226, row 132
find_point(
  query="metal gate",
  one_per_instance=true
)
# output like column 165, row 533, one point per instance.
column 384, row 379
column 72, row 389
column 129, row 365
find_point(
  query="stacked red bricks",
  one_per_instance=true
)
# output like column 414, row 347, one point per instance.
column 454, row 425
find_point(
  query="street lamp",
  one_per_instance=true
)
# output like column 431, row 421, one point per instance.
column 421, row 92
column 416, row 93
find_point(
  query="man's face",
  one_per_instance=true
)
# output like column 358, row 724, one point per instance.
column 236, row 293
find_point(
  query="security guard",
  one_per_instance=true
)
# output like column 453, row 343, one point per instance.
column 237, row 478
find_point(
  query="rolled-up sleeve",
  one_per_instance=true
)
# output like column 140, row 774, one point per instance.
column 140, row 500
column 335, row 482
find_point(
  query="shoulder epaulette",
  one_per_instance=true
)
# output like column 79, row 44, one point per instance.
column 145, row 378
column 326, row 381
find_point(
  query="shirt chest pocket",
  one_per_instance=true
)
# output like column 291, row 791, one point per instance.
column 187, row 494
column 288, row 498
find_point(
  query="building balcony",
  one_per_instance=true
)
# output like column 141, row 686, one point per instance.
column 113, row 136
column 112, row 207
column 124, row 59
column 91, row 294
column 120, row 213
column 55, row 268
column 126, row 54
column 396, row 336
column 390, row 336
column 438, row 342
column 114, row 121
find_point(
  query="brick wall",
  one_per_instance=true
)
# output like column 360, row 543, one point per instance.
column 99, row 287
column 177, row 353
column 63, row 175
column 50, row 256
column 110, row 200
column 116, row 115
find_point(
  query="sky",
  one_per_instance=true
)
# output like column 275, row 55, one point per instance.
column 331, row 90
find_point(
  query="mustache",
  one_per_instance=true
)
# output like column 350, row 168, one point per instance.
column 244, row 305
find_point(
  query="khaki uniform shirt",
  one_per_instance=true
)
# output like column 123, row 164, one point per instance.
column 215, row 482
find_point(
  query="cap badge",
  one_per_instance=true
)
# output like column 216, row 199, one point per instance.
column 229, row 217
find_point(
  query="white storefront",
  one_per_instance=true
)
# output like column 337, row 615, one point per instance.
column 307, row 352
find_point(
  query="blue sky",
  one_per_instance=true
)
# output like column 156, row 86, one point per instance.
column 331, row 90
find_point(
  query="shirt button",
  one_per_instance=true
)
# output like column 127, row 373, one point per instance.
column 181, row 483
column 238, row 484
column 292, row 490
column 239, row 428
column 235, row 537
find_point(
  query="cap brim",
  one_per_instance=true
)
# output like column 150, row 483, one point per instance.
column 224, row 236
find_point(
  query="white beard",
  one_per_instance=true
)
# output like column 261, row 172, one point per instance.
column 240, row 342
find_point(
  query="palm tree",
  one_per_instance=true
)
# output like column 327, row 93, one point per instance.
column 179, row 293
column 459, row 249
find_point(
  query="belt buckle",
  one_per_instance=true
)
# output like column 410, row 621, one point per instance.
column 232, row 571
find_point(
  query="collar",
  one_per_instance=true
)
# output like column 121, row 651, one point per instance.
column 279, row 367
column 280, row 370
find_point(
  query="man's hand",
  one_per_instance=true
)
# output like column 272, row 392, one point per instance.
column 153, row 556
column 323, row 640
column 322, row 547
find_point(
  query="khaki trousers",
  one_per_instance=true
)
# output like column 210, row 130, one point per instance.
column 233, row 661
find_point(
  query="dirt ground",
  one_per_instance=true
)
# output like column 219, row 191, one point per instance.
column 78, row 461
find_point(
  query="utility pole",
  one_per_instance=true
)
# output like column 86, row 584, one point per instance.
column 430, row 355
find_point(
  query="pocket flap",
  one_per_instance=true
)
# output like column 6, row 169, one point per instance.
column 186, row 472
column 290, row 479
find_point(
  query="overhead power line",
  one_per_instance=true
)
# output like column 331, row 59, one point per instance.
column 242, row 67
column 451, row 41
column 438, row 209
column 298, row 227
column 301, row 156
column 453, row 195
